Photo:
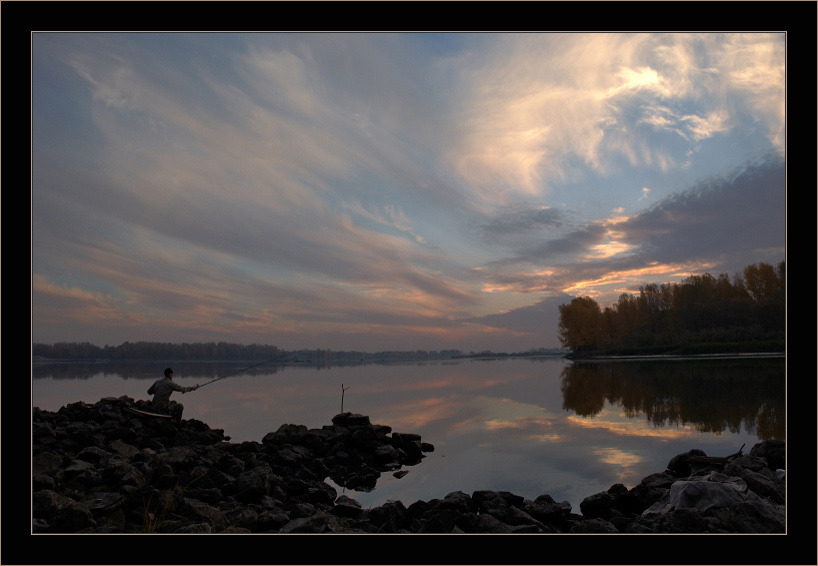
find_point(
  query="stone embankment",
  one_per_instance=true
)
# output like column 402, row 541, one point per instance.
column 103, row 469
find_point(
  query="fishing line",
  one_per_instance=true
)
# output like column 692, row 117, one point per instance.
column 278, row 359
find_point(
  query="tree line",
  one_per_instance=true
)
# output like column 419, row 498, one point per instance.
column 150, row 351
column 706, row 312
column 694, row 394
column 219, row 351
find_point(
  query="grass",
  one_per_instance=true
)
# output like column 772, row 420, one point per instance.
column 152, row 521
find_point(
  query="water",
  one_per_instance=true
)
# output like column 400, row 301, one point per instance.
column 529, row 426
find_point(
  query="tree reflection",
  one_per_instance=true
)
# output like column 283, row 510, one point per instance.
column 144, row 370
column 712, row 396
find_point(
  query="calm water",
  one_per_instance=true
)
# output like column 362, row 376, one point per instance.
column 526, row 426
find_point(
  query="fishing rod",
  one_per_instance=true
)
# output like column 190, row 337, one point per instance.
column 278, row 359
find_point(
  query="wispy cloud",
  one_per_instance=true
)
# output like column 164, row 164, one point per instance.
column 738, row 215
column 542, row 106
column 340, row 187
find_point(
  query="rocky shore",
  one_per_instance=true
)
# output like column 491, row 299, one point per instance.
column 101, row 468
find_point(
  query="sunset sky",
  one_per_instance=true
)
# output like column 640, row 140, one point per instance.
column 391, row 191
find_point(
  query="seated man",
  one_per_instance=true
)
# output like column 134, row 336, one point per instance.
column 161, row 391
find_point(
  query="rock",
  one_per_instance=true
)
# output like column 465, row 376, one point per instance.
column 94, row 455
column 244, row 518
column 726, row 499
column 123, row 449
column 679, row 465
column 72, row 517
column 321, row 522
column 46, row 462
column 774, row 451
column 704, row 494
column 751, row 517
column 389, row 517
column 458, row 501
column 658, row 481
column 271, row 521
column 490, row 524
column 351, row 420
column 253, row 484
column 98, row 468
column 593, row 525
column 765, row 485
column 599, row 506
column 548, row 511
column 682, row 520
column 204, row 513
column 346, row 507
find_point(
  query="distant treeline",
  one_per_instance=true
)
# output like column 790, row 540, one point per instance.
column 703, row 313
column 216, row 351
column 149, row 351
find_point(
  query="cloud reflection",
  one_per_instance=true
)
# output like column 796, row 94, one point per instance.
column 513, row 425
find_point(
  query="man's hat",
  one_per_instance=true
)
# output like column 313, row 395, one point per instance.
column 168, row 371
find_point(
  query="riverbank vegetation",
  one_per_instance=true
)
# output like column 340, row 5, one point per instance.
column 702, row 314
column 217, row 351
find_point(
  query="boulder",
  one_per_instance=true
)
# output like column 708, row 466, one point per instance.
column 593, row 526
column 773, row 451
column 253, row 484
column 599, row 506
column 389, row 517
column 99, row 468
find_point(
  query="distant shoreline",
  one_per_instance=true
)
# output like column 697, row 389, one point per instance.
column 482, row 357
column 661, row 357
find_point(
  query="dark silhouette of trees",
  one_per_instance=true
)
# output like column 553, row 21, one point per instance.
column 711, row 395
column 701, row 310
column 219, row 351
column 580, row 325
column 149, row 351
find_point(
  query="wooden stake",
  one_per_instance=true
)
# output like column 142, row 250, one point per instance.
column 342, row 396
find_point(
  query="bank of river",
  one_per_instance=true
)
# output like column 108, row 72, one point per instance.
column 526, row 426
column 102, row 468
column 678, row 357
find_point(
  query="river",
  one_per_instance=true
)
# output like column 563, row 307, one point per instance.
column 529, row 426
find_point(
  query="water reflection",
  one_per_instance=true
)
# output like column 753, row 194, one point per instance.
column 713, row 396
column 145, row 370
column 526, row 426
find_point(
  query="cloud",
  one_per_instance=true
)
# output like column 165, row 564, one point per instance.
column 743, row 212
column 722, row 223
column 535, row 325
column 541, row 106
column 388, row 215
column 254, row 180
column 369, row 185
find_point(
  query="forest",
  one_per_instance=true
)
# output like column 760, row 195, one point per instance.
column 702, row 314
column 217, row 351
column 149, row 351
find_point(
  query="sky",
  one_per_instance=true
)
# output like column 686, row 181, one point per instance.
column 391, row 191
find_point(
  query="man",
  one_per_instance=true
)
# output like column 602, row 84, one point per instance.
column 161, row 391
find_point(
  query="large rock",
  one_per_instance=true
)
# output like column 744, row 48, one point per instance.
column 774, row 451
column 726, row 499
column 99, row 468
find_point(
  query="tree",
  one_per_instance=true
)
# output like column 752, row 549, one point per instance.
column 700, row 309
column 580, row 324
column 762, row 281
